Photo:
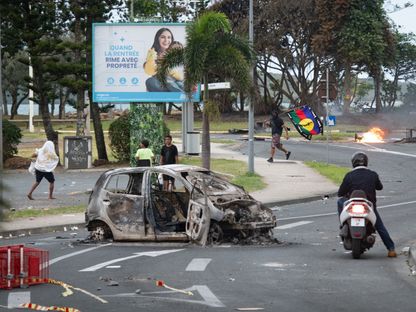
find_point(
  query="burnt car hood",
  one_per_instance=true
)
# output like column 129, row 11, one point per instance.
column 213, row 186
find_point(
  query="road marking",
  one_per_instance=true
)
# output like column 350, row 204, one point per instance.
column 135, row 255
column 398, row 204
column 292, row 225
column 375, row 149
column 209, row 299
column 198, row 264
column 16, row 298
column 335, row 213
column 55, row 260
column 278, row 265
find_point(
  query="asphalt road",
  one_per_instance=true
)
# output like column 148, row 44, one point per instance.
column 308, row 271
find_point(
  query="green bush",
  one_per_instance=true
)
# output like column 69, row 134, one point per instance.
column 119, row 133
column 11, row 139
column 146, row 122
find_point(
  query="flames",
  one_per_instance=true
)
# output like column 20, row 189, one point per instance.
column 374, row 135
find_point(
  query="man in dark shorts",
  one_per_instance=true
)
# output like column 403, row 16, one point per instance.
column 277, row 125
column 168, row 155
column 39, row 176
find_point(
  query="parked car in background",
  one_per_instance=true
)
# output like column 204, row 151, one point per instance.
column 130, row 204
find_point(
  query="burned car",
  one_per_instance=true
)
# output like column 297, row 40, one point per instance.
column 199, row 205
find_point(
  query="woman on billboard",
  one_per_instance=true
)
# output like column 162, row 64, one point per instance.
column 174, row 81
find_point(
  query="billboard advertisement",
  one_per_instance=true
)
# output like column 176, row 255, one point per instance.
column 125, row 57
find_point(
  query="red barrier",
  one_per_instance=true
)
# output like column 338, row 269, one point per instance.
column 22, row 266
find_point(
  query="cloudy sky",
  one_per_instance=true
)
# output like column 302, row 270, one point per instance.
column 406, row 18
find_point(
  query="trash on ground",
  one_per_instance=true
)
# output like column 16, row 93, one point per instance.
column 160, row 283
column 37, row 307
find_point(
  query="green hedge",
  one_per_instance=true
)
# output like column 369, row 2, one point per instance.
column 12, row 136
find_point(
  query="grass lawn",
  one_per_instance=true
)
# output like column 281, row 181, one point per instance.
column 334, row 173
column 33, row 213
column 237, row 170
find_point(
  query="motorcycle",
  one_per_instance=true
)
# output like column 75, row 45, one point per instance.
column 358, row 221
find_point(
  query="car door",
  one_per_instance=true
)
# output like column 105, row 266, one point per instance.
column 198, row 219
column 125, row 204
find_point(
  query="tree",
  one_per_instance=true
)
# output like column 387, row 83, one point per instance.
column 403, row 68
column 211, row 50
column 355, row 33
column 97, row 11
column 286, row 65
column 36, row 27
column 14, row 75
column 409, row 98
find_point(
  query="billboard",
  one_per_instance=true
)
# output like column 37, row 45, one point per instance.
column 125, row 57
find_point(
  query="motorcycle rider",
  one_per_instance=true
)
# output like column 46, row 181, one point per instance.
column 362, row 178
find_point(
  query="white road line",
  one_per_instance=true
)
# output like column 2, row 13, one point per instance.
column 292, row 225
column 375, row 149
column 16, row 298
column 55, row 260
column 198, row 264
column 135, row 255
column 209, row 299
column 398, row 204
column 335, row 213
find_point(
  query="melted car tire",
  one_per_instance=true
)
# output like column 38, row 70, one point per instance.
column 215, row 235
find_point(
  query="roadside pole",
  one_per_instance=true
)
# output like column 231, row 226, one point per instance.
column 327, row 115
column 31, row 113
column 1, row 112
column 251, row 104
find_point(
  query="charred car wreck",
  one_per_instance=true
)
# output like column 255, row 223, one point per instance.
column 130, row 204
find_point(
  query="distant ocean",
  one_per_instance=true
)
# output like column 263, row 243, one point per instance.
column 24, row 108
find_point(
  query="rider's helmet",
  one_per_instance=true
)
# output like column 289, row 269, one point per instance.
column 359, row 159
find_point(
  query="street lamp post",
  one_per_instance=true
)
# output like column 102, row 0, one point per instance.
column 1, row 111
column 251, row 104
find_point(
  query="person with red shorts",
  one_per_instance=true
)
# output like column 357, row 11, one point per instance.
column 277, row 125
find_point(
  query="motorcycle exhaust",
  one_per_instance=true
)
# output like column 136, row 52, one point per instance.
column 371, row 239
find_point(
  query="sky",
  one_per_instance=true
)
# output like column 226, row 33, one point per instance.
column 406, row 18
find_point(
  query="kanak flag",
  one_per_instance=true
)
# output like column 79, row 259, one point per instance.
column 305, row 121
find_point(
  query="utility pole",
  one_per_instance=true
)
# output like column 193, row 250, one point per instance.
column 1, row 110
column 251, row 104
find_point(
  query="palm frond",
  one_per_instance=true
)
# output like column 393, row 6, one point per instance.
column 231, row 64
column 173, row 58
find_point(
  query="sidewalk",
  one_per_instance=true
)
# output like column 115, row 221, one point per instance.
column 287, row 182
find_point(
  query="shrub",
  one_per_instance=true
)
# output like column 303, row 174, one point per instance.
column 11, row 139
column 146, row 122
column 119, row 133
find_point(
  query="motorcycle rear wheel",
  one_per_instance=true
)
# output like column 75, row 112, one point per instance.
column 356, row 248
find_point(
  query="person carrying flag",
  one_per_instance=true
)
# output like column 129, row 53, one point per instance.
column 277, row 125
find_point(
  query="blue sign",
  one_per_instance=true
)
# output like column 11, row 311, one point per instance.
column 331, row 121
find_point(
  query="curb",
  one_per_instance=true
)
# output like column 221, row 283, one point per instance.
column 299, row 200
column 42, row 230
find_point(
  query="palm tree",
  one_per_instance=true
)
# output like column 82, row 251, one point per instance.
column 211, row 51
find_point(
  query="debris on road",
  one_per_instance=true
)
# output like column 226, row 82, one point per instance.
column 160, row 283
column 37, row 307
column 113, row 283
